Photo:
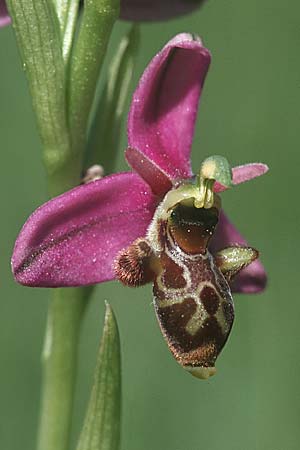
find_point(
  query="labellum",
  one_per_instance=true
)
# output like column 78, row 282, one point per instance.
column 191, row 287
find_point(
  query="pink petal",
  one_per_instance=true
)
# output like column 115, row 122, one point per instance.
column 4, row 17
column 240, row 174
column 253, row 278
column 164, row 108
column 72, row 240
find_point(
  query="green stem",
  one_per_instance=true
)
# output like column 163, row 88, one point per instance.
column 67, row 305
column 44, row 32
column 88, row 54
column 59, row 366
column 65, row 177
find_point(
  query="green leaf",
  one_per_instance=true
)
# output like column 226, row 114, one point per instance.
column 67, row 11
column 38, row 35
column 101, row 429
column 106, row 125
column 88, row 54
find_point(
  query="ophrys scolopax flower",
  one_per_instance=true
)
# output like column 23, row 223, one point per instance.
column 158, row 223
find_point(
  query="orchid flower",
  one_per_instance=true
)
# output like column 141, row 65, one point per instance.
column 73, row 239
column 4, row 17
column 101, row 231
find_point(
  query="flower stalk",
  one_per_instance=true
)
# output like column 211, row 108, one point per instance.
column 59, row 361
column 62, row 91
column 88, row 54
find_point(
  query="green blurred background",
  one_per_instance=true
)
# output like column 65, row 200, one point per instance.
column 249, row 112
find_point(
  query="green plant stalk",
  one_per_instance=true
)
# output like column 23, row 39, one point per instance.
column 59, row 359
column 67, row 305
column 42, row 44
column 87, row 58
column 39, row 40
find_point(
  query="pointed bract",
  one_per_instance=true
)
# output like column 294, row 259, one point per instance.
column 164, row 108
column 73, row 239
column 253, row 278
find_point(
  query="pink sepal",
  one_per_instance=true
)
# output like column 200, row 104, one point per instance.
column 72, row 240
column 164, row 107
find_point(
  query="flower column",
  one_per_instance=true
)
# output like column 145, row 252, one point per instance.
column 62, row 88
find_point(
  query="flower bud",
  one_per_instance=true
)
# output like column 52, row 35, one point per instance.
column 145, row 10
column 137, row 10
column 4, row 17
